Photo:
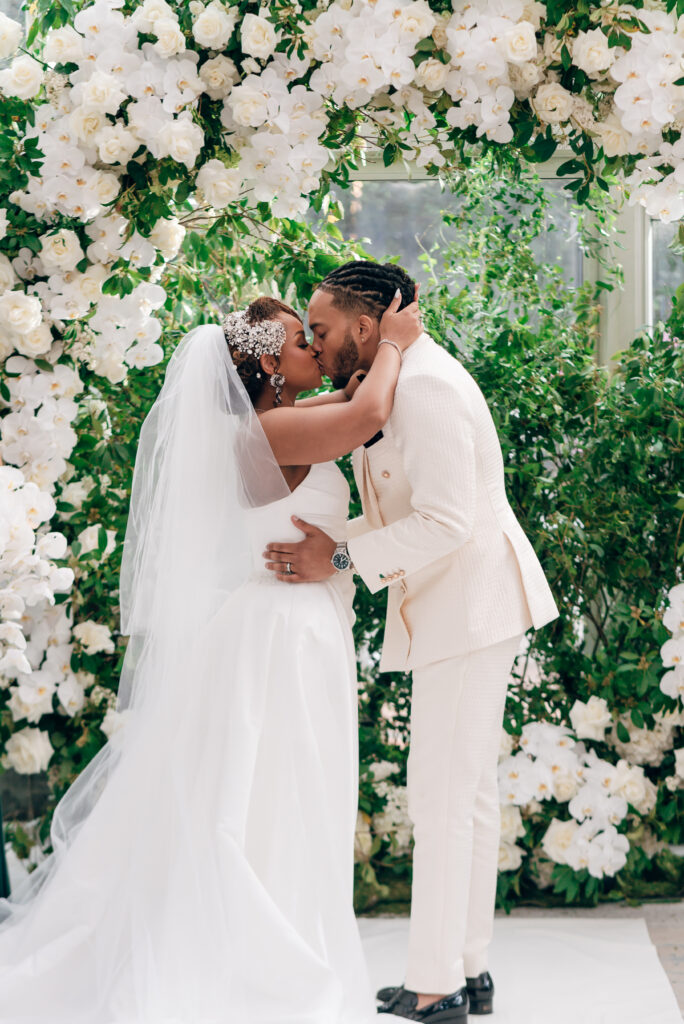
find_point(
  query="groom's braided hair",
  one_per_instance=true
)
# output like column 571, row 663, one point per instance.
column 263, row 308
column 364, row 286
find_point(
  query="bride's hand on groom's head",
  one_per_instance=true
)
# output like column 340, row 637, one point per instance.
column 310, row 559
column 402, row 326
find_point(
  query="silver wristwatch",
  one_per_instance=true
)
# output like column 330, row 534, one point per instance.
column 340, row 558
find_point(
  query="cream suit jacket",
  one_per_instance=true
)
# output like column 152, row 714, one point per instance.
column 437, row 530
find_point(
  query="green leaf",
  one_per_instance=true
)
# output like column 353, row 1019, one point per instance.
column 637, row 718
column 622, row 733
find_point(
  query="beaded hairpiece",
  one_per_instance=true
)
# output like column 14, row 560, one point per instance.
column 264, row 338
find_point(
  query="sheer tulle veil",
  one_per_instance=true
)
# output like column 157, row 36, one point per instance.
column 203, row 461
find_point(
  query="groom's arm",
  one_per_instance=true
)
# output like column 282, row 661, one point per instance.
column 434, row 431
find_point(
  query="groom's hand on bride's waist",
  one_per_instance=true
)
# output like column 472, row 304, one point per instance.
column 309, row 559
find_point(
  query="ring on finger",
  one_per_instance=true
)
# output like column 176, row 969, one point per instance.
column 288, row 569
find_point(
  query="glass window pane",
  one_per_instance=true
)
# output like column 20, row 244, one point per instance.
column 667, row 268
column 403, row 218
column 12, row 8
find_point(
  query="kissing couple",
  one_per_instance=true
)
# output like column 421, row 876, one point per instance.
column 202, row 862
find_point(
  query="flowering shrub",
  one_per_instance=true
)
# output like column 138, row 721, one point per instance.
column 128, row 130
column 590, row 762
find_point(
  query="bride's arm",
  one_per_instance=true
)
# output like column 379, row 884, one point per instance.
column 321, row 433
column 327, row 398
column 341, row 395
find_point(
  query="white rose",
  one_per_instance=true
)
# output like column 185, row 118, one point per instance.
column 35, row 343
column 170, row 38
column 101, row 91
column 552, row 103
column 116, row 144
column 258, row 36
column 520, row 42
column 432, row 74
column 248, row 105
column 637, row 788
column 89, row 539
column 63, row 46
column 510, row 857
column 94, row 637
column 182, row 140
column 3, row 223
column 10, row 36
column 590, row 720
column 614, row 137
column 60, row 251
column 23, row 78
column 552, row 48
column 219, row 75
column 75, row 494
column 533, row 11
column 381, row 770
column 214, row 26
column 414, row 22
column 28, row 751
column 7, row 276
column 167, row 236
column 512, row 826
column 86, row 123
column 557, row 838
column 20, row 312
column 219, row 184
column 439, row 32
column 565, row 786
column 114, row 723
column 591, row 53
column 105, row 185
column 145, row 16
column 679, row 762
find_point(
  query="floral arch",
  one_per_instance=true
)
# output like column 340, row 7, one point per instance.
column 122, row 121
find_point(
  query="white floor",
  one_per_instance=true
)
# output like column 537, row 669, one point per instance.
column 560, row 970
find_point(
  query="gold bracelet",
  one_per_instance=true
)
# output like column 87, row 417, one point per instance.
column 386, row 341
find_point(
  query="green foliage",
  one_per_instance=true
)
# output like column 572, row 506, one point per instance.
column 593, row 455
column 594, row 459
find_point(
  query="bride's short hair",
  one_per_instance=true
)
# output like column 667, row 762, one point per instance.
column 265, row 307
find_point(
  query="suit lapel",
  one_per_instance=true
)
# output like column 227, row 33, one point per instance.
column 369, row 497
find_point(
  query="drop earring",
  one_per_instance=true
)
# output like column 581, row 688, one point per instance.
column 276, row 381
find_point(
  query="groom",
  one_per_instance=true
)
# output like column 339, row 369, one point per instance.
column 463, row 586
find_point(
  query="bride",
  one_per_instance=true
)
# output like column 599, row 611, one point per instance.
column 202, row 862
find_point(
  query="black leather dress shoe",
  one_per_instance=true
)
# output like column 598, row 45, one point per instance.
column 448, row 1010
column 480, row 993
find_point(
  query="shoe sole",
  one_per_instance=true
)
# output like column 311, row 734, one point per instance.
column 447, row 1015
column 477, row 1006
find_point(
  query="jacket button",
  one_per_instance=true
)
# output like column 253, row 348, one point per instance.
column 385, row 473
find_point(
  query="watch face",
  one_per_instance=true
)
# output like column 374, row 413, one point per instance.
column 340, row 560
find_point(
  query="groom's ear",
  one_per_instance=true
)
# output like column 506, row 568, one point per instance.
column 367, row 327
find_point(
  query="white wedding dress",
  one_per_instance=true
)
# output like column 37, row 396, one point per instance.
column 241, row 914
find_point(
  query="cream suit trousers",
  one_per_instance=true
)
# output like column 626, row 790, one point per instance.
column 453, row 801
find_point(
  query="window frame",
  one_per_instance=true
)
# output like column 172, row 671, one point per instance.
column 625, row 311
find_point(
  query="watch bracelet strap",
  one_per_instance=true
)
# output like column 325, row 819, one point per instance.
column 350, row 567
